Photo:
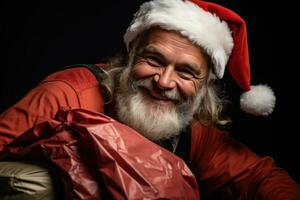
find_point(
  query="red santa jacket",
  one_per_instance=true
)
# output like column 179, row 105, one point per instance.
column 221, row 165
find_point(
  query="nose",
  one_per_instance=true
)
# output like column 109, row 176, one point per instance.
column 165, row 79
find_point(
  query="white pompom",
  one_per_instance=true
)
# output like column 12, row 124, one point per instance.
column 260, row 100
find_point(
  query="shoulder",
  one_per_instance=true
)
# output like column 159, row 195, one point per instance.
column 78, row 77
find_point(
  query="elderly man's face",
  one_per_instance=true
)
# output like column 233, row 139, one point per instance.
column 171, row 63
column 158, row 92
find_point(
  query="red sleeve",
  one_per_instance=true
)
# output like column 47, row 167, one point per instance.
column 226, row 168
column 41, row 102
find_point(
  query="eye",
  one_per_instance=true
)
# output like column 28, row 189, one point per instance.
column 185, row 74
column 153, row 61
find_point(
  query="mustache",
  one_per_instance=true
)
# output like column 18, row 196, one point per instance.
column 172, row 94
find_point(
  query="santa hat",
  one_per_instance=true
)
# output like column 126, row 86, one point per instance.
column 219, row 31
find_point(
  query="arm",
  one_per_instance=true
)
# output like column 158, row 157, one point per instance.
column 41, row 102
column 225, row 167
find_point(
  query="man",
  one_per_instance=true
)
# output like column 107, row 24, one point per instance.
column 164, row 87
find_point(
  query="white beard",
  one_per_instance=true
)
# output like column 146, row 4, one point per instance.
column 149, row 118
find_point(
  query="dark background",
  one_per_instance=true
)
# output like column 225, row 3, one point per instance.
column 38, row 39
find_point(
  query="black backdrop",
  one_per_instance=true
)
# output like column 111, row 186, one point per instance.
column 38, row 39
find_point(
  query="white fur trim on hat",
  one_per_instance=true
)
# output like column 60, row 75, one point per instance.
column 260, row 100
column 203, row 28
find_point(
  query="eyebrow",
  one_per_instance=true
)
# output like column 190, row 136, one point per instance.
column 154, row 51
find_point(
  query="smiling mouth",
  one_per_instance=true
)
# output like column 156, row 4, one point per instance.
column 156, row 96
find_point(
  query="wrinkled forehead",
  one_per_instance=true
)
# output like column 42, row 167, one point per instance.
column 155, row 34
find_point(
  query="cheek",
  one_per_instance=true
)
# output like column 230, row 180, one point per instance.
column 188, row 88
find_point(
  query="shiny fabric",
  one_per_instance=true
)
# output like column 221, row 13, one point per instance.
column 96, row 153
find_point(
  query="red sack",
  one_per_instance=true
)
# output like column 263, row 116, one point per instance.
column 101, row 158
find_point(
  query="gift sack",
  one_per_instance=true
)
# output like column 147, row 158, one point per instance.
column 100, row 158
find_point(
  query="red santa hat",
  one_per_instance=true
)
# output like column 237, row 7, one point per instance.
column 219, row 31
